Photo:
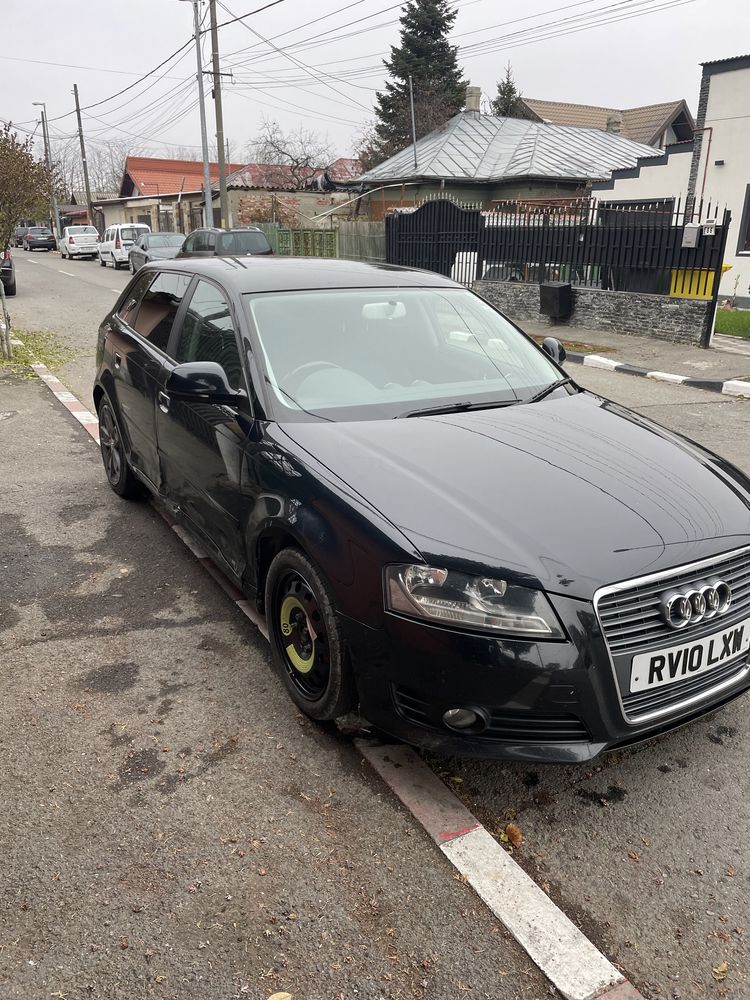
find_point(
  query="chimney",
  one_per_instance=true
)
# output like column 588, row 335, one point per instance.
column 473, row 97
column 614, row 123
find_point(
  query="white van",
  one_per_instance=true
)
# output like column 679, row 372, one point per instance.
column 116, row 243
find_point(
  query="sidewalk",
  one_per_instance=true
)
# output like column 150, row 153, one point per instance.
column 718, row 363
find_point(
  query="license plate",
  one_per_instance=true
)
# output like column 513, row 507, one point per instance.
column 676, row 663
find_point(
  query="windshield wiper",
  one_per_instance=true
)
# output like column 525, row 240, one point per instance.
column 547, row 390
column 459, row 407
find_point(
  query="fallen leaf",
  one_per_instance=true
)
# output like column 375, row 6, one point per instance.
column 514, row 834
column 720, row 971
column 633, row 856
column 280, row 996
column 731, row 871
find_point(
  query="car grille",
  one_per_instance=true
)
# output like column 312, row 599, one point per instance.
column 630, row 618
column 631, row 623
column 505, row 726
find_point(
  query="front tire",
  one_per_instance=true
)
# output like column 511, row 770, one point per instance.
column 308, row 643
column 102, row 261
column 119, row 474
column 11, row 288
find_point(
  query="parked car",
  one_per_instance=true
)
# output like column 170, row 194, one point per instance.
column 247, row 241
column 8, row 272
column 39, row 238
column 114, row 246
column 79, row 241
column 18, row 234
column 443, row 530
column 154, row 246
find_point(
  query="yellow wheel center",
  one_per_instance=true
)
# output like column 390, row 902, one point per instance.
column 289, row 605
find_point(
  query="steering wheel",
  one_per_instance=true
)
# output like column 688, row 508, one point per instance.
column 297, row 376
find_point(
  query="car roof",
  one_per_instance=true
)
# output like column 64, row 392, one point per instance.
column 278, row 274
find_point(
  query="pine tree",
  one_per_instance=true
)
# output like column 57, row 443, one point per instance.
column 426, row 55
column 508, row 102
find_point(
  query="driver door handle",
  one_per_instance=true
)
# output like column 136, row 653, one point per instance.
column 118, row 360
column 163, row 402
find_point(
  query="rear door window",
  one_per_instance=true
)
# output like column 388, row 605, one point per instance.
column 129, row 308
column 159, row 306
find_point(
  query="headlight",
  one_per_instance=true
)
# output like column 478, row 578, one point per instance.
column 481, row 602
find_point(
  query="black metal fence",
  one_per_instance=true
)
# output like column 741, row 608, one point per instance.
column 656, row 247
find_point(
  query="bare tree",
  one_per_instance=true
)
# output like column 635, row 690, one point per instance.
column 301, row 152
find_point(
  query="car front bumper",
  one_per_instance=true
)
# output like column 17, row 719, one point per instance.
column 544, row 701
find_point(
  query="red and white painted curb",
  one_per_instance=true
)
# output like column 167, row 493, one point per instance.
column 563, row 953
column 88, row 420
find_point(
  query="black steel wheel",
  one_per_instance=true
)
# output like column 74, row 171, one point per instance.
column 308, row 644
column 119, row 474
column 102, row 261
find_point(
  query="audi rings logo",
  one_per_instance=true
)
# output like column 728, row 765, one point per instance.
column 705, row 600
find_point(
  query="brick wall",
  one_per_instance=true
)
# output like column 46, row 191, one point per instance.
column 633, row 313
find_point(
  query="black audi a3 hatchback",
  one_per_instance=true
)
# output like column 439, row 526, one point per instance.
column 442, row 529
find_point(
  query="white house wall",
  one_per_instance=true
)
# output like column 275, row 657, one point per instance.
column 727, row 115
column 654, row 181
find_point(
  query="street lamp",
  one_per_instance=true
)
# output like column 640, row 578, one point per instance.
column 208, row 213
column 48, row 157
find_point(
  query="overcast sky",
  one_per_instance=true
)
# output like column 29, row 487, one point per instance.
column 629, row 61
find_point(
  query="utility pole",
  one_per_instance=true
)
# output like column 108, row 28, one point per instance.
column 413, row 122
column 223, row 200
column 208, row 213
column 89, row 202
column 48, row 156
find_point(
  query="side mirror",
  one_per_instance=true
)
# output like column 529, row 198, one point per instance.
column 553, row 347
column 202, row 381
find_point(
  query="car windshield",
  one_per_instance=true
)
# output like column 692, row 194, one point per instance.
column 81, row 230
column 361, row 354
column 241, row 243
column 166, row 240
column 132, row 232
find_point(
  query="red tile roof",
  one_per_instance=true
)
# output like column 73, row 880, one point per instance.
column 147, row 175
column 270, row 177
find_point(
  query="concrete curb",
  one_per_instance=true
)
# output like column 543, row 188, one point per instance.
column 730, row 387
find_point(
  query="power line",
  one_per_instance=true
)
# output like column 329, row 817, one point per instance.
column 301, row 65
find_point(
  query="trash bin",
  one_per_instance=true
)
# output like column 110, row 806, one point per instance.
column 556, row 299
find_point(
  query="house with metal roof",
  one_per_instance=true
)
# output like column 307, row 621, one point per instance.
column 657, row 125
column 484, row 159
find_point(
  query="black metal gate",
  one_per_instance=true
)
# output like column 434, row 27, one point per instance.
column 440, row 236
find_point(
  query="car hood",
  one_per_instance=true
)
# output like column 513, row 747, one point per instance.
column 568, row 494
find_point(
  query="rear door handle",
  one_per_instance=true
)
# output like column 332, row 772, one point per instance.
column 163, row 402
column 118, row 360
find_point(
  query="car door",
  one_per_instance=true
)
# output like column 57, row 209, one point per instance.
column 139, row 339
column 201, row 444
column 138, row 253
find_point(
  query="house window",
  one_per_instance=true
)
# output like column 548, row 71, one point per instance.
column 743, row 244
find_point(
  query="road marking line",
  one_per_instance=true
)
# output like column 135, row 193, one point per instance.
column 564, row 954
column 69, row 273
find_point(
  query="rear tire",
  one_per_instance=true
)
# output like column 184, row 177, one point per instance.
column 119, row 474
column 308, row 644
column 11, row 289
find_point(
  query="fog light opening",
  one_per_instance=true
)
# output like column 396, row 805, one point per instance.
column 465, row 720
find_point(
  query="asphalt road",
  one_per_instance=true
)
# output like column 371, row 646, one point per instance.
column 646, row 849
